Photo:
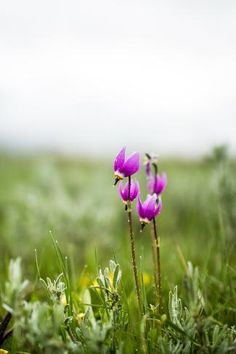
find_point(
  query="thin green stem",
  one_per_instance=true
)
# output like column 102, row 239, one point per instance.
column 158, row 263
column 154, row 257
column 132, row 243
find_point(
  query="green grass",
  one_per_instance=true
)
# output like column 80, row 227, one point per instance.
column 73, row 201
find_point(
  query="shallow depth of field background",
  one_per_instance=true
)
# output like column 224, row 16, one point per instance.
column 74, row 199
column 81, row 79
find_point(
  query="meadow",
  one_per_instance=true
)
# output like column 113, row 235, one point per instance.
column 61, row 224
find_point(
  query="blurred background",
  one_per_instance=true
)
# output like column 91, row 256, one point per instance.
column 87, row 77
column 81, row 79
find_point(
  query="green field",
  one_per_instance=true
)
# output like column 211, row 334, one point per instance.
column 73, row 201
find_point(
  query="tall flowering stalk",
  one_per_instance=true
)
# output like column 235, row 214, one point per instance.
column 156, row 246
column 126, row 168
column 148, row 211
column 156, row 184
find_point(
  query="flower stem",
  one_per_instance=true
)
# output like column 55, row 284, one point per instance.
column 132, row 243
column 157, row 267
column 154, row 257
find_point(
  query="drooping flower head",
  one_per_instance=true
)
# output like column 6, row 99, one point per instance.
column 149, row 162
column 124, row 192
column 157, row 183
column 126, row 167
column 149, row 209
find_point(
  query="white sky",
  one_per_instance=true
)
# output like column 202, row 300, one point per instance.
column 90, row 76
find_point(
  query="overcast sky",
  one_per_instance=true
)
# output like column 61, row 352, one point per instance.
column 90, row 76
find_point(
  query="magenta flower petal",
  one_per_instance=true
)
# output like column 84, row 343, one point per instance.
column 147, row 201
column 124, row 192
column 157, row 184
column 131, row 165
column 150, row 207
column 119, row 160
column 134, row 190
column 140, row 209
column 148, row 168
column 160, row 183
column 158, row 208
column 150, row 183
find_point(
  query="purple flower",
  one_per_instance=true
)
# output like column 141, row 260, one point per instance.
column 149, row 162
column 157, row 184
column 125, row 167
column 124, row 192
column 148, row 168
column 149, row 209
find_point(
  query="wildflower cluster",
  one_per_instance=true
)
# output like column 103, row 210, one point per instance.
column 147, row 210
column 156, row 184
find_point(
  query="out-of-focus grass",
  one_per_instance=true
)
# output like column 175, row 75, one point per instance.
column 76, row 200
